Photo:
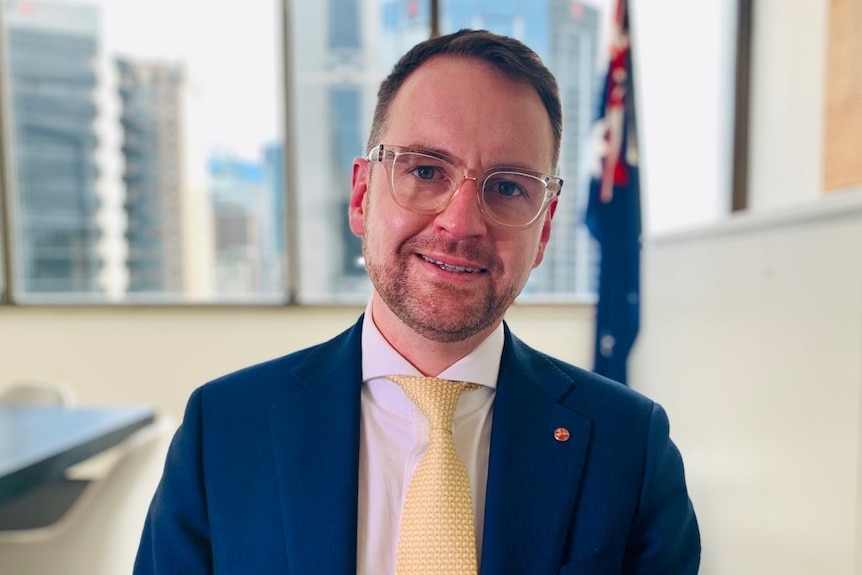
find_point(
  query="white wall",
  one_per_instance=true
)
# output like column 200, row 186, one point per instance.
column 753, row 343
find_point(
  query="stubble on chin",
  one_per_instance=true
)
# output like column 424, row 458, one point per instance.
column 440, row 313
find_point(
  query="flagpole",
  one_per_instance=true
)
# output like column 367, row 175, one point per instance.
column 435, row 18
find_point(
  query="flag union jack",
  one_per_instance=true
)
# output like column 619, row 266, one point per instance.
column 611, row 127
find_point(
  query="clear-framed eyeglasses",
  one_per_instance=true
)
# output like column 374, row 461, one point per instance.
column 425, row 183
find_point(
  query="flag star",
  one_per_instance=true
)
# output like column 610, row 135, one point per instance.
column 607, row 344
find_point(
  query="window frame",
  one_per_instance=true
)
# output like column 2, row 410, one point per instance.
column 6, row 178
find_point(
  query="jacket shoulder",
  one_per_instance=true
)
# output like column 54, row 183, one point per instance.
column 578, row 388
column 269, row 377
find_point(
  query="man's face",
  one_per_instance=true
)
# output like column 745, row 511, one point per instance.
column 452, row 275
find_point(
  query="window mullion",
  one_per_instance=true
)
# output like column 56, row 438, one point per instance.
column 6, row 173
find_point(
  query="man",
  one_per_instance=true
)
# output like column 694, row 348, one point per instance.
column 303, row 464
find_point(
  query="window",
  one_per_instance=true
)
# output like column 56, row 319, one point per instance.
column 142, row 136
column 151, row 159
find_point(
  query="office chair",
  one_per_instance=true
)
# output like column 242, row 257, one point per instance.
column 99, row 534
column 32, row 392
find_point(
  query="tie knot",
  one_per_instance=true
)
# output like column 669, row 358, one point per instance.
column 435, row 397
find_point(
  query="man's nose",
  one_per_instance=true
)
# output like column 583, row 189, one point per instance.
column 463, row 217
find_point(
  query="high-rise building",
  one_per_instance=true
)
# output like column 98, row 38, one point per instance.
column 169, row 214
column 52, row 53
column 246, row 261
column 273, row 222
column 336, row 78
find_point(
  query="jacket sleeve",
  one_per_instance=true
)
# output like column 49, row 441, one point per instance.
column 665, row 538
column 175, row 538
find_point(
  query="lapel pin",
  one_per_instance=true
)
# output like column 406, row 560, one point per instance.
column 562, row 434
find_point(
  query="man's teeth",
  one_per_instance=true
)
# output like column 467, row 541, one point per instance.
column 448, row 268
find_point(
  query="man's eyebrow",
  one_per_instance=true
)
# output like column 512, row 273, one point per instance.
column 433, row 151
column 446, row 155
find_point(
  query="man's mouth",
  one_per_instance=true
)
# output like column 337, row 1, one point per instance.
column 451, row 268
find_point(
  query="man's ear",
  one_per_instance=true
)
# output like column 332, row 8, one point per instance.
column 356, row 208
column 546, row 234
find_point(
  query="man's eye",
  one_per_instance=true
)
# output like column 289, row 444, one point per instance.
column 508, row 189
column 425, row 172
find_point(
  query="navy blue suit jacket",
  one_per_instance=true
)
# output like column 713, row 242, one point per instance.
column 262, row 475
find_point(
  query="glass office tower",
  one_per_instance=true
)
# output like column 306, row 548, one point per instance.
column 168, row 210
column 52, row 48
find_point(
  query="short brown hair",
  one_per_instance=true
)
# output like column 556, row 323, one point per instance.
column 510, row 56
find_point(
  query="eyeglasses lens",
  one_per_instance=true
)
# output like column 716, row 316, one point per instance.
column 425, row 184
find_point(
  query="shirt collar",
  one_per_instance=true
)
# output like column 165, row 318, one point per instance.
column 379, row 359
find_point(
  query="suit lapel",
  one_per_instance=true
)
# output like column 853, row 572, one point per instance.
column 315, row 433
column 533, row 477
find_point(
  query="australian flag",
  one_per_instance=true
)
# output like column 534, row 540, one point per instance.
column 613, row 214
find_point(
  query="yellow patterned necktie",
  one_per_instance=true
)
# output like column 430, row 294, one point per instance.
column 437, row 534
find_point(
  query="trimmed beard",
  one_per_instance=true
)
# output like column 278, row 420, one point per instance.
column 426, row 317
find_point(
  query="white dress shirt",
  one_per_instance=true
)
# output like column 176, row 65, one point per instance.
column 394, row 435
